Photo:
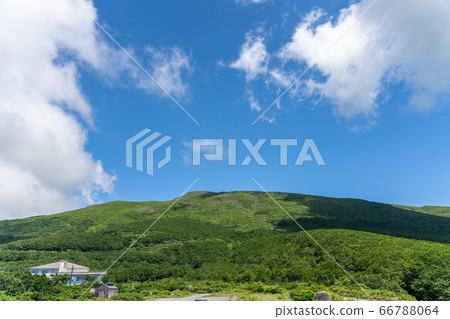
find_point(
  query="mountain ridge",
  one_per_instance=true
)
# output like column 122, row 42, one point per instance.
column 312, row 212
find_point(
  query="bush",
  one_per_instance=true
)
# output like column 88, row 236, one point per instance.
column 5, row 297
column 259, row 287
column 273, row 290
column 302, row 295
column 128, row 296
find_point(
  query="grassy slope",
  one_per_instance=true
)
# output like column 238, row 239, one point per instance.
column 432, row 210
column 245, row 211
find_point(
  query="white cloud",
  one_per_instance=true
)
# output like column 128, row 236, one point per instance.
column 21, row 193
column 247, row 2
column 254, row 104
column 44, row 115
column 280, row 78
column 253, row 60
column 221, row 64
column 44, row 166
column 387, row 46
column 167, row 67
column 396, row 41
column 253, row 57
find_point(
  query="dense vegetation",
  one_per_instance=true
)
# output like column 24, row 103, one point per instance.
column 240, row 243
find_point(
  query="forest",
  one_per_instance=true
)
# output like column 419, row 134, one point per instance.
column 237, row 243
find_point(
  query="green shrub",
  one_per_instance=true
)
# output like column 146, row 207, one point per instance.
column 5, row 297
column 302, row 295
column 128, row 296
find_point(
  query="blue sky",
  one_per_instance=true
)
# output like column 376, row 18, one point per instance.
column 378, row 113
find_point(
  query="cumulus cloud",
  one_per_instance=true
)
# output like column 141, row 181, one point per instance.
column 44, row 166
column 253, row 61
column 44, row 115
column 253, row 57
column 388, row 45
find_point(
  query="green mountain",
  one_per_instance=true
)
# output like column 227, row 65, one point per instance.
column 244, row 243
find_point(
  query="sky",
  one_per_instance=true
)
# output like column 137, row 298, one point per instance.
column 367, row 81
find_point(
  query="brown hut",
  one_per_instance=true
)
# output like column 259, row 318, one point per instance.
column 106, row 291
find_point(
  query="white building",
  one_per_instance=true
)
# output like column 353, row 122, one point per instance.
column 75, row 272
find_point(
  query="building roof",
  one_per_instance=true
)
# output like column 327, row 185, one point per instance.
column 109, row 285
column 62, row 266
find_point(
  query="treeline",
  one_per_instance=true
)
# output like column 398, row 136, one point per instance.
column 397, row 266
column 380, row 262
column 26, row 287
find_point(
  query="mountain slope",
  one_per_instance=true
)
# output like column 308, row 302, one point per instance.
column 243, row 211
column 244, row 237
